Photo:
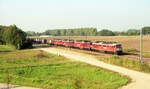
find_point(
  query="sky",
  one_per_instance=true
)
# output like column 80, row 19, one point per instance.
column 40, row 15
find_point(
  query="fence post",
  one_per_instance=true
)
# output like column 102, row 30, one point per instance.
column 7, row 78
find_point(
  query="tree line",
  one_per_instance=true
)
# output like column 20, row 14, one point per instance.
column 89, row 32
column 14, row 36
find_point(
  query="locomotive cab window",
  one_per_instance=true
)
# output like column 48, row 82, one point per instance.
column 118, row 46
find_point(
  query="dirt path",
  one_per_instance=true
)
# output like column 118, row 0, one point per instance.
column 139, row 80
column 4, row 86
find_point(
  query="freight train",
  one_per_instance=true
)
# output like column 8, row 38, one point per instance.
column 103, row 46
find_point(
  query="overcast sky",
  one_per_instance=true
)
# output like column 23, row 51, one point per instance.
column 39, row 15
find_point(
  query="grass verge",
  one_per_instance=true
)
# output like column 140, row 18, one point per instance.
column 136, row 52
column 128, row 63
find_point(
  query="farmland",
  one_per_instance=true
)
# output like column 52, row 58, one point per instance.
column 40, row 69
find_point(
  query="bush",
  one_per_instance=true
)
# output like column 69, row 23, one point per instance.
column 12, row 35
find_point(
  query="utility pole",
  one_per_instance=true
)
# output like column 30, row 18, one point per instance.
column 8, row 78
column 86, row 37
column 69, row 39
column 141, row 45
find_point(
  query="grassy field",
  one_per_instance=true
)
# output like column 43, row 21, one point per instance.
column 130, row 44
column 116, row 60
column 40, row 69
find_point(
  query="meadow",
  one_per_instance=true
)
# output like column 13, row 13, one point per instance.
column 37, row 68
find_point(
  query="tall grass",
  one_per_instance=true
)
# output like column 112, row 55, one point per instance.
column 128, row 63
column 136, row 52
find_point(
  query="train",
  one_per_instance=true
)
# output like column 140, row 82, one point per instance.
column 103, row 46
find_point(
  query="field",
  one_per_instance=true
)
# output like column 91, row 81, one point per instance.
column 40, row 69
column 130, row 44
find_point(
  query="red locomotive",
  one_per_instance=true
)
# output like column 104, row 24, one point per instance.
column 107, row 47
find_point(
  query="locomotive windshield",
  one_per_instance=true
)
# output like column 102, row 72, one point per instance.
column 118, row 46
column 86, row 41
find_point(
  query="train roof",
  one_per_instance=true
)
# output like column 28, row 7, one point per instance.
column 67, row 40
column 83, row 41
column 106, row 43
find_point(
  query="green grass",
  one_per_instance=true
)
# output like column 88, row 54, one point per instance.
column 21, row 58
column 70, row 75
column 40, row 69
column 6, row 48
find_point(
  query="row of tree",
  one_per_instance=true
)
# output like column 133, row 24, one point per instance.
column 12, row 35
column 89, row 32
column 72, row 32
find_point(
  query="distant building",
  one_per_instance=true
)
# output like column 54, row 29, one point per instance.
column 46, row 36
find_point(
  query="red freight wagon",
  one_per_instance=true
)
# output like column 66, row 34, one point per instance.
column 107, row 47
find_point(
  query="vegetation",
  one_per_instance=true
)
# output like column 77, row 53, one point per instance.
column 65, row 76
column 32, row 33
column 72, row 32
column 136, row 52
column 146, row 30
column 105, row 32
column 6, row 48
column 21, row 58
column 90, row 32
column 12, row 35
column 49, row 71
column 128, row 63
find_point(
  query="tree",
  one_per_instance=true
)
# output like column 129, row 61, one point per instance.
column 106, row 32
column 146, row 30
column 31, row 33
column 2, row 29
column 14, row 36
column 132, row 32
column 63, row 32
